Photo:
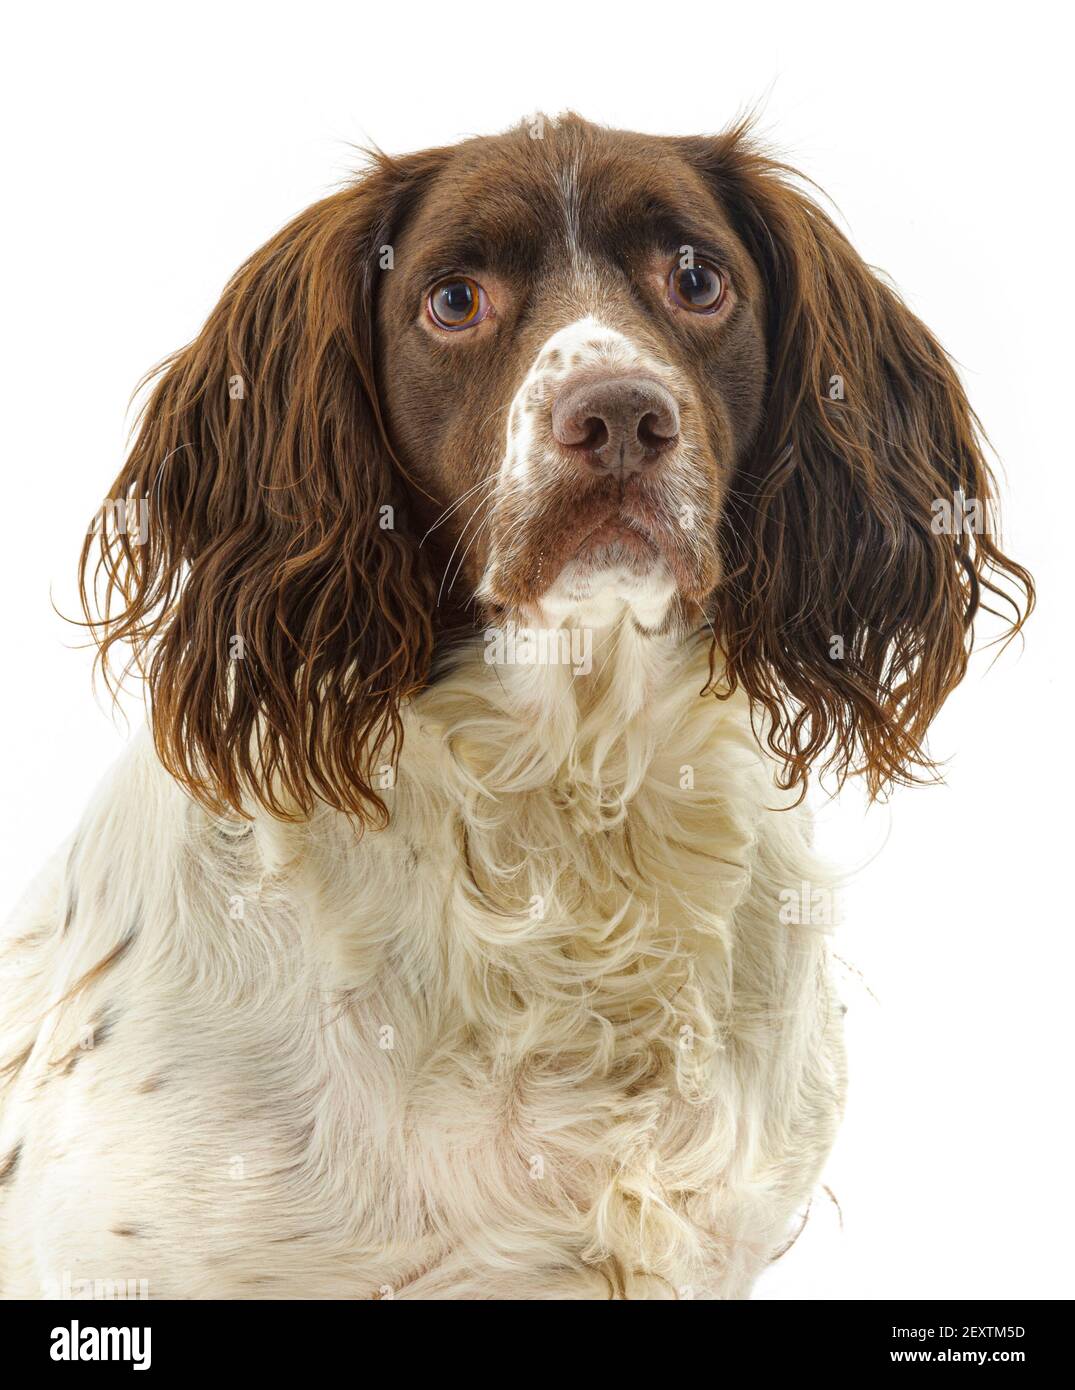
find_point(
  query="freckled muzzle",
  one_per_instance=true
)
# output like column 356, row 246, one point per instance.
column 605, row 475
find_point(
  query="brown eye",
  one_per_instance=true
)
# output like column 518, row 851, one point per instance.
column 699, row 288
column 457, row 303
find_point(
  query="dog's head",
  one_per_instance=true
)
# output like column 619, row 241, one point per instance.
column 574, row 351
column 564, row 370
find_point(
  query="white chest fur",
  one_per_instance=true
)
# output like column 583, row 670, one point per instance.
column 545, row 1036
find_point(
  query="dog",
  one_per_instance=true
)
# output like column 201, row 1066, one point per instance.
column 527, row 525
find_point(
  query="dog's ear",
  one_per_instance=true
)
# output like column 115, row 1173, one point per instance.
column 253, row 556
column 859, row 539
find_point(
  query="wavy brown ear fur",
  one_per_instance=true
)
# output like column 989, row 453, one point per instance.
column 842, row 592
column 277, row 620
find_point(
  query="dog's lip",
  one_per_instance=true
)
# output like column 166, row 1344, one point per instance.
column 616, row 530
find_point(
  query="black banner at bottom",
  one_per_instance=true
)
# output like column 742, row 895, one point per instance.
column 81, row 1337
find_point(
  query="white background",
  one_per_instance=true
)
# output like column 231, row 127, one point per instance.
column 149, row 149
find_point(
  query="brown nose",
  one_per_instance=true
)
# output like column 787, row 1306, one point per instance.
column 620, row 425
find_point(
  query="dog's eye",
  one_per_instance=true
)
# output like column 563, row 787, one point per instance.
column 457, row 303
column 699, row 288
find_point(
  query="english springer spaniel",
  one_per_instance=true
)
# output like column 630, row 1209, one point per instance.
column 527, row 522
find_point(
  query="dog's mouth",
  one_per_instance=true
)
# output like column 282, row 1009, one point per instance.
column 618, row 540
column 623, row 556
column 631, row 535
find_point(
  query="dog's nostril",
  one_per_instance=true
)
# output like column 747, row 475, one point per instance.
column 656, row 431
column 595, row 433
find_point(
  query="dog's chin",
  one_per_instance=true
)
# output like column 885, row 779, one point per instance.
column 633, row 563
column 614, row 571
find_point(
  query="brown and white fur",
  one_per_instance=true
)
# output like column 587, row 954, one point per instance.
column 431, row 944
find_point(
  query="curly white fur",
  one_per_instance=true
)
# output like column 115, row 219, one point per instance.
column 546, row 1036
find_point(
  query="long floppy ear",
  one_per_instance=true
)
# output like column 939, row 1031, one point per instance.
column 859, row 536
column 249, row 557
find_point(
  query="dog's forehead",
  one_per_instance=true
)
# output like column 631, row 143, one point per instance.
column 539, row 193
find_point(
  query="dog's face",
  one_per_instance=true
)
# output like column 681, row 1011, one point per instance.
column 573, row 362
column 561, row 378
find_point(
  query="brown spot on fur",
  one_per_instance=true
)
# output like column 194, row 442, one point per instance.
column 34, row 937
column 150, row 1084
column 133, row 1231
column 9, row 1164
column 101, row 1030
column 105, row 963
column 104, row 1025
column 72, row 886
column 12, row 1068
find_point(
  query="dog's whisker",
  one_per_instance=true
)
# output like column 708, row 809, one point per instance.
column 485, row 483
column 482, row 502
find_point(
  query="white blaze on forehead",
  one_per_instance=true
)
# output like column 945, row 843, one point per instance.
column 569, row 192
